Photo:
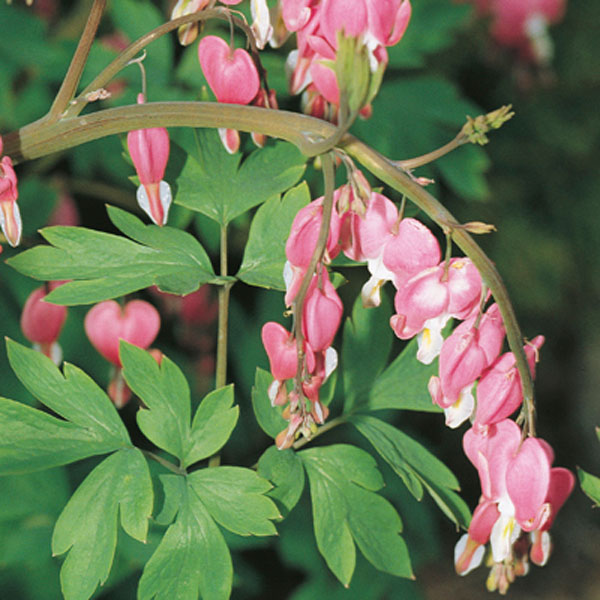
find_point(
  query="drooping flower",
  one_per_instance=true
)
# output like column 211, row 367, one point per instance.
column 10, row 216
column 41, row 323
column 232, row 76
column 149, row 150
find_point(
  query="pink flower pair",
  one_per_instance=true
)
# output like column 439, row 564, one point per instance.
column 395, row 249
column 521, row 494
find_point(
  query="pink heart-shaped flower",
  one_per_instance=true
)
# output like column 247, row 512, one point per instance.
column 232, row 76
column 107, row 323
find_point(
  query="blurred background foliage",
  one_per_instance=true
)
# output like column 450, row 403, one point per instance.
column 538, row 181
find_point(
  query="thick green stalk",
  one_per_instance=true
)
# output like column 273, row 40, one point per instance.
column 35, row 141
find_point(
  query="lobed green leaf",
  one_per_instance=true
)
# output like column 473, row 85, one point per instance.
column 264, row 256
column 416, row 466
column 235, row 498
column 165, row 392
column 192, row 559
column 87, row 527
column 166, row 420
column 103, row 266
column 283, row 468
column 343, row 480
column 217, row 186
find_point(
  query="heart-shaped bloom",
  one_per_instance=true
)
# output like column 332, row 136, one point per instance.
column 106, row 323
column 231, row 74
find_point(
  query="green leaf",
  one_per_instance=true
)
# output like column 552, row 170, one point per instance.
column 415, row 465
column 284, row 470
column 264, row 256
column 74, row 396
column 191, row 559
column 235, row 498
column 343, row 480
column 32, row 439
column 268, row 417
column 213, row 424
column 217, row 186
column 87, row 527
column 166, row 420
column 104, row 266
column 165, row 392
column 365, row 349
column 403, row 384
column 590, row 484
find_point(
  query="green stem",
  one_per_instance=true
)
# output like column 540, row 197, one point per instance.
column 34, row 142
column 224, row 291
column 165, row 463
column 71, row 81
column 424, row 159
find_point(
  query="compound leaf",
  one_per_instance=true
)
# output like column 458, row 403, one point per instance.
column 32, row 439
column 192, row 559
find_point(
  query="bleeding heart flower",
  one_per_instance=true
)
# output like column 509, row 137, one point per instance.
column 149, row 150
column 107, row 323
column 41, row 323
column 231, row 74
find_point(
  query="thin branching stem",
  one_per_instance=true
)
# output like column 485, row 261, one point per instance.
column 71, row 81
column 425, row 159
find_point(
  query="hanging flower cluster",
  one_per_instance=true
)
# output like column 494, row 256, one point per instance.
column 335, row 35
column 521, row 492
